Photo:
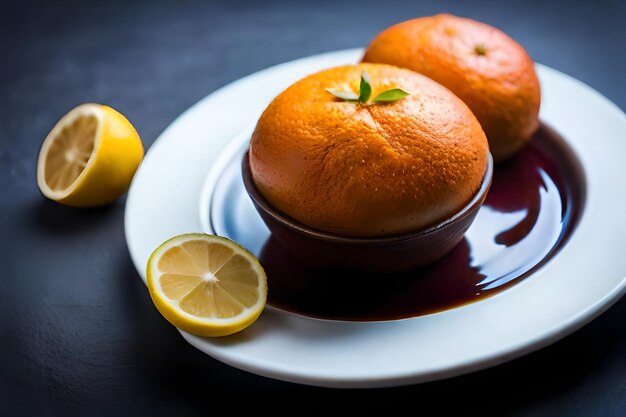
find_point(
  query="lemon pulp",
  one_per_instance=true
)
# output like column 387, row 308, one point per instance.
column 206, row 285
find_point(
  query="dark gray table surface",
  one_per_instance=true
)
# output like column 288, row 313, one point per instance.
column 78, row 332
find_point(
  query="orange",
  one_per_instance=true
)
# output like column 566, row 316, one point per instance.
column 371, row 169
column 487, row 69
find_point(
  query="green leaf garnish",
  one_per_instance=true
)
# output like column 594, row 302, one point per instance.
column 344, row 95
column 365, row 88
column 390, row 95
column 365, row 92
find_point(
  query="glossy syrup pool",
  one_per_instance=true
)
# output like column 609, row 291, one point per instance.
column 532, row 208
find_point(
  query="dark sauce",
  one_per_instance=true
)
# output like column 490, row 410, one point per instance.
column 532, row 208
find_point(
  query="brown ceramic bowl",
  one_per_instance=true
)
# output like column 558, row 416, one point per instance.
column 382, row 254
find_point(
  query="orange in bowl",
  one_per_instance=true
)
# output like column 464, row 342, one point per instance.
column 368, row 169
column 487, row 69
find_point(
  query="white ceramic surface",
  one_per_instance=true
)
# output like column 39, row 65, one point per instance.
column 582, row 281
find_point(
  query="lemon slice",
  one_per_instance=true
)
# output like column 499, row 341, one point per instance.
column 206, row 285
column 89, row 157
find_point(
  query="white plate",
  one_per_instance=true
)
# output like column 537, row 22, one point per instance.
column 577, row 285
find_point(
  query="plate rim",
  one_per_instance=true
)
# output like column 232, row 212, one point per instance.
column 540, row 340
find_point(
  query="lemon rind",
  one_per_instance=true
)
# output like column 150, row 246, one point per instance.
column 210, row 326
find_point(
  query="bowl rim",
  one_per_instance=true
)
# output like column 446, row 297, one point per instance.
column 301, row 228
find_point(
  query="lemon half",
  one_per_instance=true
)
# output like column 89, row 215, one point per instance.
column 206, row 285
column 89, row 157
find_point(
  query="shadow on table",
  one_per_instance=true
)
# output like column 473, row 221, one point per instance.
column 62, row 220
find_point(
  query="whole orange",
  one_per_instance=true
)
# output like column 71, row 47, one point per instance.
column 370, row 169
column 487, row 69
